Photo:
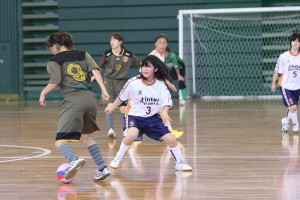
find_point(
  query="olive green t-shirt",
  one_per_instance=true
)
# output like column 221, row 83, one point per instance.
column 117, row 66
column 71, row 70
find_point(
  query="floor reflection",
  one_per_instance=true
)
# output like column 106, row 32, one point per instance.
column 291, row 176
column 146, row 182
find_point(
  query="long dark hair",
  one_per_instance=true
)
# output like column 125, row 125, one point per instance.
column 60, row 38
column 162, row 72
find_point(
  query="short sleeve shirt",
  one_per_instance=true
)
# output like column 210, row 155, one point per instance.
column 71, row 70
column 289, row 66
column 145, row 100
column 117, row 66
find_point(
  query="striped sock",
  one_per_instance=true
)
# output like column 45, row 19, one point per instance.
column 110, row 121
column 96, row 155
column 66, row 150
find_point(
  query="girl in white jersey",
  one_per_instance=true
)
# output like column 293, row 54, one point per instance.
column 161, row 43
column 288, row 65
column 149, row 101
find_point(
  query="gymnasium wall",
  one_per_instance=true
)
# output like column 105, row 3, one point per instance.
column 9, row 60
column 90, row 22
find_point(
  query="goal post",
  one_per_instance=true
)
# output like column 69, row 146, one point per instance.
column 231, row 53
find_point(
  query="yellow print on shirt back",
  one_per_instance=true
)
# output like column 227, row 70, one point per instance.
column 76, row 72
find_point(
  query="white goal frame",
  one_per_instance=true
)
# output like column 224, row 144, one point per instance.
column 182, row 13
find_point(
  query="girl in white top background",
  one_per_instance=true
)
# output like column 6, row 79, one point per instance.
column 288, row 65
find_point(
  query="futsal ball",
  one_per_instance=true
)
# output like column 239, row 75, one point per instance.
column 61, row 171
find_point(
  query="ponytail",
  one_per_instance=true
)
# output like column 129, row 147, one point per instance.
column 60, row 38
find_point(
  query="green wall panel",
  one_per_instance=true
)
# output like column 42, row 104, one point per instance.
column 9, row 62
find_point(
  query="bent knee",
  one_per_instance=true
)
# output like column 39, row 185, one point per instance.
column 293, row 108
column 170, row 139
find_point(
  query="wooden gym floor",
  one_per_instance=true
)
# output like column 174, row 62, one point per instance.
column 236, row 149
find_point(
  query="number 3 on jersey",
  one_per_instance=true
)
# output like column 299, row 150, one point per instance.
column 148, row 110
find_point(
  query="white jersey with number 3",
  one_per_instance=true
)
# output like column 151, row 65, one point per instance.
column 288, row 65
column 145, row 100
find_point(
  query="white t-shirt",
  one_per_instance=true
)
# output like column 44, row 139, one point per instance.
column 288, row 65
column 145, row 100
column 157, row 54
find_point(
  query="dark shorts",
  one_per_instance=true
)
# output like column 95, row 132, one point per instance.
column 114, row 87
column 77, row 116
column 152, row 126
column 290, row 97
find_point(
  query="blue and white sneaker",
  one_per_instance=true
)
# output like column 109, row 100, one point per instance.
column 74, row 167
column 101, row 175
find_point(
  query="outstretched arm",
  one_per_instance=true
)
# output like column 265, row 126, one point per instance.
column 165, row 116
column 112, row 106
column 171, row 85
column 99, row 80
column 45, row 91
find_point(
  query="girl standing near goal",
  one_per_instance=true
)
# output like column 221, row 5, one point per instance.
column 117, row 61
column 161, row 43
column 288, row 65
column 177, row 69
column 72, row 70
column 149, row 101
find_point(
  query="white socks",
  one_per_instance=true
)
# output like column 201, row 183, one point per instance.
column 176, row 151
column 294, row 117
column 122, row 150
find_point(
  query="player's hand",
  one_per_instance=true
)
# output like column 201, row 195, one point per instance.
column 42, row 100
column 172, row 86
column 105, row 95
column 180, row 78
column 273, row 87
column 165, row 118
column 109, row 109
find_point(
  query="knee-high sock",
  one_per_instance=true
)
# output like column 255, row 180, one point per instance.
column 68, row 152
column 294, row 117
column 182, row 94
column 176, row 151
column 96, row 155
column 110, row 121
column 122, row 150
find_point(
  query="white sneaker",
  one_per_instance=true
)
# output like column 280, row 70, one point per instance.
column 125, row 132
column 182, row 175
column 285, row 124
column 111, row 133
column 116, row 162
column 295, row 127
column 102, row 175
column 183, row 166
column 74, row 167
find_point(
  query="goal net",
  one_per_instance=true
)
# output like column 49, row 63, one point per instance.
column 231, row 53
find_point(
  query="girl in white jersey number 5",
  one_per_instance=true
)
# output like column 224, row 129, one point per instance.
column 288, row 65
column 149, row 101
